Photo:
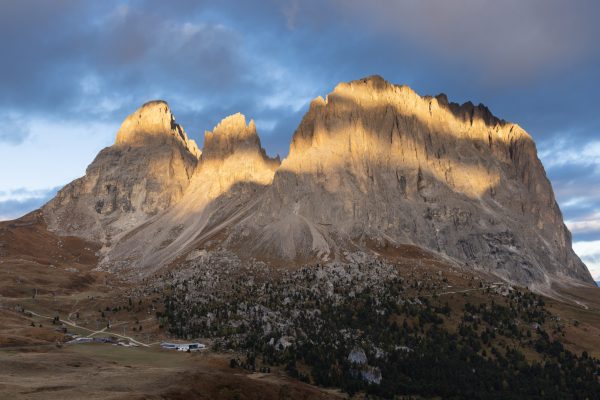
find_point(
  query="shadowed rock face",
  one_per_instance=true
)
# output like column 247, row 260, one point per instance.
column 372, row 166
column 146, row 171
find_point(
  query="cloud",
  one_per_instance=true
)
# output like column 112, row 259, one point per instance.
column 16, row 203
column 40, row 48
column 14, row 129
column 563, row 152
column 574, row 170
column 69, row 57
column 587, row 224
column 144, row 48
column 589, row 251
column 506, row 40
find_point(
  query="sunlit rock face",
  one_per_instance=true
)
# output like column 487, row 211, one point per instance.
column 153, row 123
column 375, row 165
column 146, row 171
column 233, row 154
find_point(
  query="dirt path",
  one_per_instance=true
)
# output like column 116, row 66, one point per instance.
column 92, row 332
column 454, row 292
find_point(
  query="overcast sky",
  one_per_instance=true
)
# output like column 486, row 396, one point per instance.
column 72, row 70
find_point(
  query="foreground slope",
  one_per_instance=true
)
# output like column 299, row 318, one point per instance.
column 368, row 326
column 363, row 326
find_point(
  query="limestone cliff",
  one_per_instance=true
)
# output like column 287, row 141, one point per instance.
column 146, row 171
column 372, row 166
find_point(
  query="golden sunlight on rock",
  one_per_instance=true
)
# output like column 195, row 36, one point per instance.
column 372, row 166
column 233, row 154
column 146, row 171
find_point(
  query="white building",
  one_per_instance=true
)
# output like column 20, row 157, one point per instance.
column 183, row 346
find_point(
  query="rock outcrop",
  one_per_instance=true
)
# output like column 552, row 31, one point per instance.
column 146, row 171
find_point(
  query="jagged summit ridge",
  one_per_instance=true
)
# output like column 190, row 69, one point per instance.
column 235, row 125
column 233, row 153
column 375, row 85
column 371, row 166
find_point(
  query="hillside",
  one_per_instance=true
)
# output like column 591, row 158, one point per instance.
column 365, row 326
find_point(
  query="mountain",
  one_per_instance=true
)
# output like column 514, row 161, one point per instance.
column 374, row 250
column 372, row 167
column 145, row 171
column 233, row 174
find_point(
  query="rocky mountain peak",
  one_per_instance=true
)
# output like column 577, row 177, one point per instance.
column 153, row 123
column 146, row 171
column 233, row 135
column 378, row 161
column 233, row 172
column 235, row 125
column 154, row 118
column 374, row 90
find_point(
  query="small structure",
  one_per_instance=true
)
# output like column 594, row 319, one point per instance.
column 81, row 340
column 111, row 339
column 125, row 344
column 183, row 346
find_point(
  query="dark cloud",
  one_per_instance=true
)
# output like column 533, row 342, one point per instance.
column 209, row 52
column 507, row 40
column 34, row 55
column 146, row 49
